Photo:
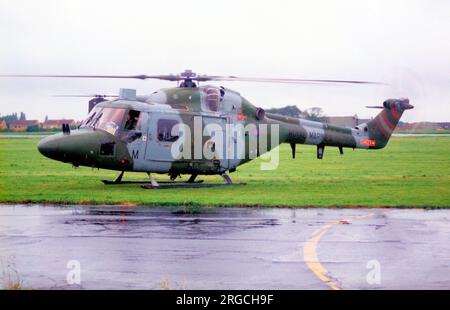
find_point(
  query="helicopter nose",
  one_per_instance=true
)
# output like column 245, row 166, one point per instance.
column 86, row 147
column 79, row 147
column 62, row 147
column 49, row 147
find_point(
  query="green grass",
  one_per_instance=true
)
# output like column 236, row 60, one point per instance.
column 31, row 133
column 409, row 172
column 424, row 131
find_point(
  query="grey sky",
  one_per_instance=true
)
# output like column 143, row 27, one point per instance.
column 405, row 43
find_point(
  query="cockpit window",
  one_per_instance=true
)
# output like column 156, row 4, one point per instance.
column 108, row 119
column 90, row 117
column 112, row 120
column 133, row 120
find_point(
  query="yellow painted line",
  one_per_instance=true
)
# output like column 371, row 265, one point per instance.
column 310, row 251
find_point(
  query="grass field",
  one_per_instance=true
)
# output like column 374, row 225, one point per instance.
column 31, row 133
column 409, row 172
column 424, row 131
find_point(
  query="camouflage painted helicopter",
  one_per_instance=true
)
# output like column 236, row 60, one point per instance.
column 138, row 133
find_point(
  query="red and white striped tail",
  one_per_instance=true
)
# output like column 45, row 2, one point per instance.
column 382, row 126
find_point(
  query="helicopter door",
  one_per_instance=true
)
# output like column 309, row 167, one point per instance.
column 135, row 134
column 216, row 126
column 161, row 137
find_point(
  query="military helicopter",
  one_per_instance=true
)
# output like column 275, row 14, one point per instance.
column 130, row 132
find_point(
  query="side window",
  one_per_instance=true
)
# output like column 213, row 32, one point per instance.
column 133, row 120
column 212, row 99
column 164, row 130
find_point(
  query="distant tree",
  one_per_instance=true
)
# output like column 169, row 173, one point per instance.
column 22, row 116
column 315, row 114
column 290, row 110
column 9, row 117
column 33, row 128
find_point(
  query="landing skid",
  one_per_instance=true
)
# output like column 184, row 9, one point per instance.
column 118, row 180
column 189, row 184
column 108, row 182
column 154, row 184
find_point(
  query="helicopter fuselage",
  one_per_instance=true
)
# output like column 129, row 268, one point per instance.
column 177, row 131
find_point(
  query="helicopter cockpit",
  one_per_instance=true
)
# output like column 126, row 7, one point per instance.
column 116, row 121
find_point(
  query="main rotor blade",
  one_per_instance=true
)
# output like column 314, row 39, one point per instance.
column 200, row 78
column 89, row 96
column 140, row 77
column 286, row 81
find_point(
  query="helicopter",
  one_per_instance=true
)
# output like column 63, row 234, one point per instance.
column 167, row 132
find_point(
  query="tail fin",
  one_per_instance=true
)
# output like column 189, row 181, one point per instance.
column 382, row 126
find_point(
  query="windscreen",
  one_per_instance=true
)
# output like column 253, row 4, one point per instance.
column 108, row 119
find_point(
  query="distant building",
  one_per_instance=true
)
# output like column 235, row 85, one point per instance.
column 3, row 125
column 22, row 125
column 57, row 123
column 444, row 126
column 347, row 121
column 364, row 120
column 425, row 126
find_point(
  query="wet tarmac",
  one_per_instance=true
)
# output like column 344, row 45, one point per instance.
column 106, row 247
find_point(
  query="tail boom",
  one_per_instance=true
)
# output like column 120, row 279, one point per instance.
column 383, row 125
column 371, row 135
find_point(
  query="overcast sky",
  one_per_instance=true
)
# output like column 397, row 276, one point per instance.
column 404, row 43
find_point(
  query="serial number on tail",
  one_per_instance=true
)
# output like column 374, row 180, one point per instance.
column 368, row 142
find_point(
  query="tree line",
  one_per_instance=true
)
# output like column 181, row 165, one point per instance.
column 8, row 118
column 313, row 114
